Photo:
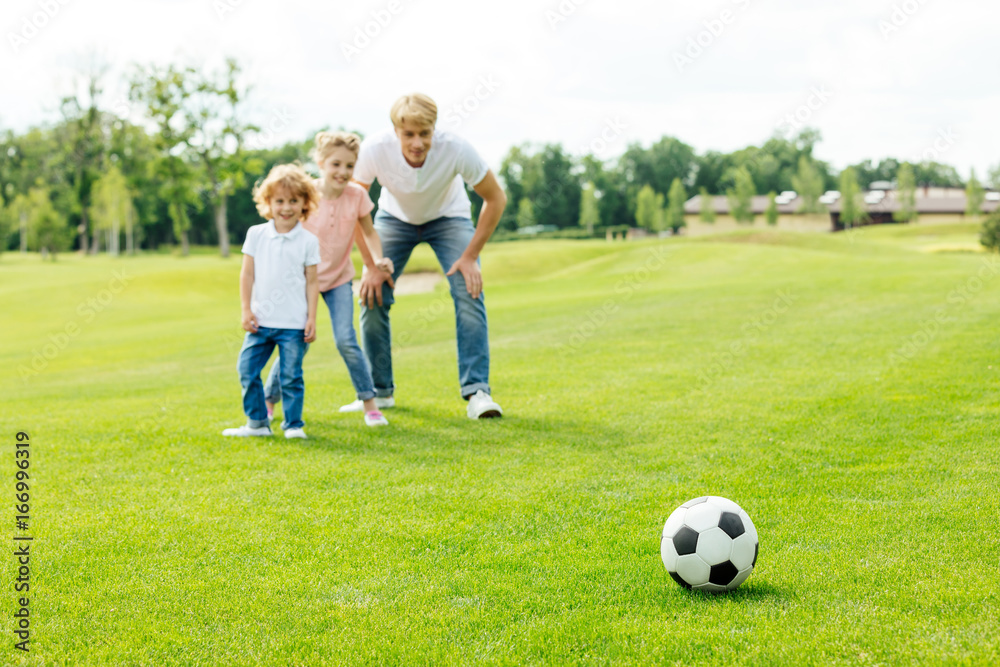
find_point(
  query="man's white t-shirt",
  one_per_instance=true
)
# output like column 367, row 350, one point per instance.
column 278, row 300
column 421, row 194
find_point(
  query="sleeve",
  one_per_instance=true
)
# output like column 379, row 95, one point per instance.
column 365, row 170
column 470, row 164
column 365, row 205
column 312, row 251
column 250, row 243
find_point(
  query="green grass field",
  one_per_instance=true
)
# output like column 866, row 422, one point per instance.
column 842, row 388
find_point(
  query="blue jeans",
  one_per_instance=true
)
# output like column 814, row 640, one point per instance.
column 448, row 238
column 257, row 348
column 340, row 303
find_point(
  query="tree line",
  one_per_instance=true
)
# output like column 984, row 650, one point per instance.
column 96, row 180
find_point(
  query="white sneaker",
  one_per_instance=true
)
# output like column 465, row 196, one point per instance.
column 482, row 406
column 295, row 433
column 246, row 431
column 359, row 405
column 375, row 418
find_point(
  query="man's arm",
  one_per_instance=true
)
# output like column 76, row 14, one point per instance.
column 494, row 201
column 246, row 289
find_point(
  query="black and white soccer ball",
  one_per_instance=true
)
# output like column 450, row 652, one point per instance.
column 709, row 544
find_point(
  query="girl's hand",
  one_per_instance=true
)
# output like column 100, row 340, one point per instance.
column 385, row 265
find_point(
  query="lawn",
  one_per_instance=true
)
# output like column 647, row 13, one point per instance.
column 843, row 389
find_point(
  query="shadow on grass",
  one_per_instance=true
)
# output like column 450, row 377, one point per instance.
column 413, row 429
column 751, row 591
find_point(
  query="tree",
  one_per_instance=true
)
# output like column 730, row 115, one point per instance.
column 590, row 214
column 5, row 223
column 556, row 193
column 165, row 94
column 993, row 177
column 740, row 196
column 852, row 204
column 112, row 208
column 512, row 173
column 707, row 202
column 20, row 214
column 771, row 212
column 974, row 196
column 989, row 235
column 870, row 171
column 906, row 187
column 525, row 214
column 648, row 204
column 935, row 173
column 808, row 184
column 48, row 231
column 217, row 136
column 82, row 136
column 546, row 178
column 676, row 198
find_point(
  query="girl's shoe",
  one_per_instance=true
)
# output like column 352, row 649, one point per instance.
column 359, row 405
column 375, row 418
column 295, row 433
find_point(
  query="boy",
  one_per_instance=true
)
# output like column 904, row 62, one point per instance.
column 278, row 296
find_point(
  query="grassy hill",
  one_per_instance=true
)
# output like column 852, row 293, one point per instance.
column 842, row 388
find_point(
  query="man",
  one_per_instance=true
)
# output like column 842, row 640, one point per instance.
column 421, row 171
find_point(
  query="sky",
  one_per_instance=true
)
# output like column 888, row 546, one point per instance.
column 909, row 79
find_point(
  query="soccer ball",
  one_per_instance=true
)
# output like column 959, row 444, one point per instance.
column 709, row 544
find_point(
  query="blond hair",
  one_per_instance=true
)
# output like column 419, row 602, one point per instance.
column 415, row 107
column 326, row 142
column 290, row 177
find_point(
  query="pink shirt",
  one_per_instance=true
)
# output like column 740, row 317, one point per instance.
column 333, row 224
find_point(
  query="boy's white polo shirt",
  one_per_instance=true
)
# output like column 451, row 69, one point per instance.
column 279, row 280
column 421, row 194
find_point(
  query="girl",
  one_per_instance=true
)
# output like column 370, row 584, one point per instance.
column 343, row 207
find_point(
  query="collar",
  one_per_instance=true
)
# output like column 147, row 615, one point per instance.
column 272, row 231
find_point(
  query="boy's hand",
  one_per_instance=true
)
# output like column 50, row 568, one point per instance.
column 309, row 335
column 249, row 321
column 385, row 265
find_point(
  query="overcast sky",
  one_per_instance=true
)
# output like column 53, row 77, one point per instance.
column 913, row 79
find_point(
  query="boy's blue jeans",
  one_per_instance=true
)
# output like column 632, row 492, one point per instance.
column 256, row 350
column 448, row 238
column 340, row 303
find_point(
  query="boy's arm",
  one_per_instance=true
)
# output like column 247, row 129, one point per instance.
column 246, row 290
column 312, row 298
